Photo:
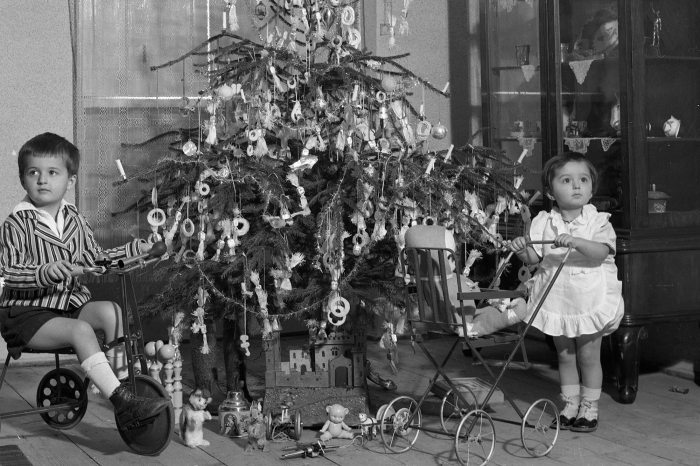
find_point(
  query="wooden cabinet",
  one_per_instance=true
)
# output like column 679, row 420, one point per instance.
column 618, row 80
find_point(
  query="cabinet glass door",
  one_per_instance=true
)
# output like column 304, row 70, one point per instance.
column 589, row 87
column 511, row 83
column 670, row 129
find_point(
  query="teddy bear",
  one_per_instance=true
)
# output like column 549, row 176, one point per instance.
column 192, row 418
column 334, row 426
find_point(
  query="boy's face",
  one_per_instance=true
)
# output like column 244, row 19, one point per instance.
column 46, row 180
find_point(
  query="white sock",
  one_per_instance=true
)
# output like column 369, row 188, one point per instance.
column 100, row 372
column 117, row 359
column 590, row 394
column 570, row 395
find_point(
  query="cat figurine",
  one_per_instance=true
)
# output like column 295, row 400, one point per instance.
column 192, row 418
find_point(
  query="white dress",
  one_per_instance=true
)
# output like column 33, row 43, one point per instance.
column 586, row 298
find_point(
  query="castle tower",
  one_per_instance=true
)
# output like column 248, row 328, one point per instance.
column 273, row 357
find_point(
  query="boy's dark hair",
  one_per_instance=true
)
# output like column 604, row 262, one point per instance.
column 558, row 161
column 49, row 145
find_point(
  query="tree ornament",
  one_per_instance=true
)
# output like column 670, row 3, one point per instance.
column 389, row 83
column 439, row 131
column 199, row 325
column 189, row 148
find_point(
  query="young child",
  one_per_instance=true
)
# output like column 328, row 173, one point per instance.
column 44, row 243
column 585, row 302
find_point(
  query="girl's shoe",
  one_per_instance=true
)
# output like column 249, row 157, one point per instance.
column 587, row 419
column 565, row 423
column 567, row 417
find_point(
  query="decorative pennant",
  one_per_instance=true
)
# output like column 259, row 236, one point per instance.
column 580, row 69
column 527, row 143
column 579, row 145
column 528, row 71
column 607, row 142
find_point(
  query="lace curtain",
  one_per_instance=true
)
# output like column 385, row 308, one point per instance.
column 119, row 101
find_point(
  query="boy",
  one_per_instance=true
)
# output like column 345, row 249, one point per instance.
column 43, row 244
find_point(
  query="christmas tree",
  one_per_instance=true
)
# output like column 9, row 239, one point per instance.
column 292, row 198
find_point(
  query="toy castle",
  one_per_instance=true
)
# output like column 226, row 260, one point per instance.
column 337, row 361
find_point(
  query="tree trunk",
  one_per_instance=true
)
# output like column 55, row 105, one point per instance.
column 203, row 365
column 234, row 361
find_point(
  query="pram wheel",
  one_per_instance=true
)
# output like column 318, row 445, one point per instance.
column 297, row 426
column 536, row 432
column 475, row 439
column 62, row 386
column 152, row 436
column 400, row 423
column 452, row 408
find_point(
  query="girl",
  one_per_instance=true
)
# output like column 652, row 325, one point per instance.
column 585, row 302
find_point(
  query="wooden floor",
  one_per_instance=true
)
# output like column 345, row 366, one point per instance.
column 661, row 428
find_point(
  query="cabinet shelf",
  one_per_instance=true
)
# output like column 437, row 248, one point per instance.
column 498, row 69
column 657, row 140
column 667, row 58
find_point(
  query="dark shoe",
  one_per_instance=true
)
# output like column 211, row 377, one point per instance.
column 130, row 410
column 565, row 423
column 584, row 425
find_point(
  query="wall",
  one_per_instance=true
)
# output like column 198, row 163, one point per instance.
column 36, row 87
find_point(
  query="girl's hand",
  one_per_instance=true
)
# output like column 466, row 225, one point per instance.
column 59, row 271
column 518, row 244
column 566, row 241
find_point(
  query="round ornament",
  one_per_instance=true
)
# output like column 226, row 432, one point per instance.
column 389, row 83
column 225, row 92
column 189, row 148
column 338, row 307
column 439, row 131
column 156, row 217
column 241, row 225
column 348, row 16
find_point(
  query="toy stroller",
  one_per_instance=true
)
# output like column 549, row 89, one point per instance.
column 443, row 306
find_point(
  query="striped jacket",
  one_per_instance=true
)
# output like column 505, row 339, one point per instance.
column 28, row 245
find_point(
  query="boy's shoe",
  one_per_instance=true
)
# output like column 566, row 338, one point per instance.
column 130, row 409
column 587, row 419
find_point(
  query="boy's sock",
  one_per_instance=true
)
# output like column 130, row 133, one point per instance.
column 570, row 395
column 100, row 372
column 117, row 359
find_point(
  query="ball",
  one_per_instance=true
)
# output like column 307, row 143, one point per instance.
column 389, row 83
column 439, row 131
column 150, row 349
column 166, row 352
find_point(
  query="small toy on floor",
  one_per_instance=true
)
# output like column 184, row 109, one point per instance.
column 257, row 439
column 192, row 418
column 335, row 426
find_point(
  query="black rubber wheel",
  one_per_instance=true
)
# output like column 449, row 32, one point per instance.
column 62, row 386
column 268, row 426
column 153, row 436
column 297, row 426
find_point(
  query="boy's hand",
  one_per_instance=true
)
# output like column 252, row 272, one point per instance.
column 59, row 270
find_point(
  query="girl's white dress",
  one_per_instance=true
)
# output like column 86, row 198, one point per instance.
column 587, row 296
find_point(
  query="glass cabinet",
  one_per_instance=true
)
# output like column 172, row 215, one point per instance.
column 617, row 80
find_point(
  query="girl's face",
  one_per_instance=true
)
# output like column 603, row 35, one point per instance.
column 46, row 180
column 572, row 186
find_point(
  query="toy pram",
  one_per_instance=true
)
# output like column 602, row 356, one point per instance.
column 443, row 306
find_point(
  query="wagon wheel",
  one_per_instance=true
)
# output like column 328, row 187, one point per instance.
column 453, row 408
column 540, row 427
column 153, row 435
column 268, row 426
column 62, row 386
column 400, row 424
column 475, row 438
column 297, row 426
